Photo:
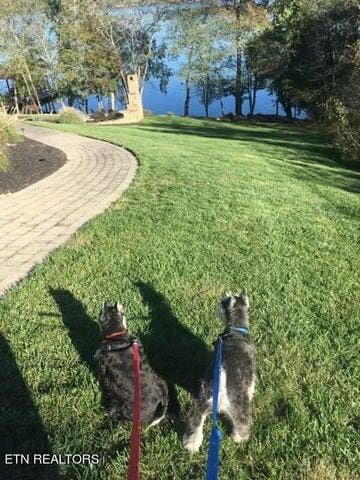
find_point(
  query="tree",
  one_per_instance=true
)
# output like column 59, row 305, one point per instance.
column 309, row 58
column 130, row 34
column 100, row 45
column 246, row 19
column 201, row 40
column 19, row 51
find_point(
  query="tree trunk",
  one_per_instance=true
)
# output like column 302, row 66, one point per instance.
column 112, row 100
column 125, row 88
column 253, row 103
column 27, row 86
column 250, row 95
column 207, row 96
column 8, row 85
column 277, row 107
column 286, row 104
column 187, row 99
column 34, row 90
column 16, row 98
column 206, row 102
column 222, row 106
column 238, row 82
column 207, row 109
column 221, row 95
column 287, row 108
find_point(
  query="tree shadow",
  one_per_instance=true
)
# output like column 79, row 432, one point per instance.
column 21, row 428
column 303, row 147
column 174, row 352
column 83, row 331
column 338, row 178
column 289, row 136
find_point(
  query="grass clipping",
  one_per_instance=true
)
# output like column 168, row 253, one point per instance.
column 8, row 134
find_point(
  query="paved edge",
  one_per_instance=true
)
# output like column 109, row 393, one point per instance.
column 43, row 216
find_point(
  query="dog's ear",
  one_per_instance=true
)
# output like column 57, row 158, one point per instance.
column 120, row 310
column 245, row 299
column 119, row 307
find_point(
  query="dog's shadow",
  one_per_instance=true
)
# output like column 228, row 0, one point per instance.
column 83, row 331
column 174, row 352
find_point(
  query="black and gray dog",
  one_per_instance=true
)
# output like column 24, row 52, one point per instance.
column 116, row 372
column 237, row 380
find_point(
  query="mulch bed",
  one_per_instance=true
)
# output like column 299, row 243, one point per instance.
column 29, row 162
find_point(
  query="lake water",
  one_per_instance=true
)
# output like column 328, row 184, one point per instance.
column 173, row 101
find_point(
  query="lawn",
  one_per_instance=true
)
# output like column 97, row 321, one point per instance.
column 214, row 207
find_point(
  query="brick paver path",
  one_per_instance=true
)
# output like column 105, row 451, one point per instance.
column 44, row 215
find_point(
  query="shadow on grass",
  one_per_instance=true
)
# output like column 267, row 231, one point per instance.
column 85, row 336
column 175, row 353
column 302, row 147
column 280, row 136
column 83, row 331
column 340, row 178
column 21, row 428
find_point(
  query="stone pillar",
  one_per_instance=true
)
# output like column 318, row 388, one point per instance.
column 134, row 110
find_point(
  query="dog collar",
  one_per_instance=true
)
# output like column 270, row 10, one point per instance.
column 120, row 333
column 116, row 346
column 244, row 330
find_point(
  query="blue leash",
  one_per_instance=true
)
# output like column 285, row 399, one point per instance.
column 212, row 468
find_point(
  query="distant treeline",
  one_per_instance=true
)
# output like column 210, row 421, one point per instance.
column 306, row 53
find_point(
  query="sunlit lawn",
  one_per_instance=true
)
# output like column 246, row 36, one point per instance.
column 214, row 207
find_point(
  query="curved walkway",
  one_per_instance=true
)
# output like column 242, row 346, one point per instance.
column 44, row 215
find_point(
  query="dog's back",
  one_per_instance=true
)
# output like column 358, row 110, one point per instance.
column 239, row 372
column 237, row 379
column 117, row 380
column 117, row 376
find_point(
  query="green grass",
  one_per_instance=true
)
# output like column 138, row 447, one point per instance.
column 214, row 207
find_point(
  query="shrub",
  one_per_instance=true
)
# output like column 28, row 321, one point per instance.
column 170, row 114
column 8, row 133
column 70, row 115
column 345, row 126
column 148, row 113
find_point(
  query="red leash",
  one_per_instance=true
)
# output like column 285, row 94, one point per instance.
column 133, row 468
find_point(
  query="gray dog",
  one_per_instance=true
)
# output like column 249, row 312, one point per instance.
column 237, row 381
column 116, row 372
